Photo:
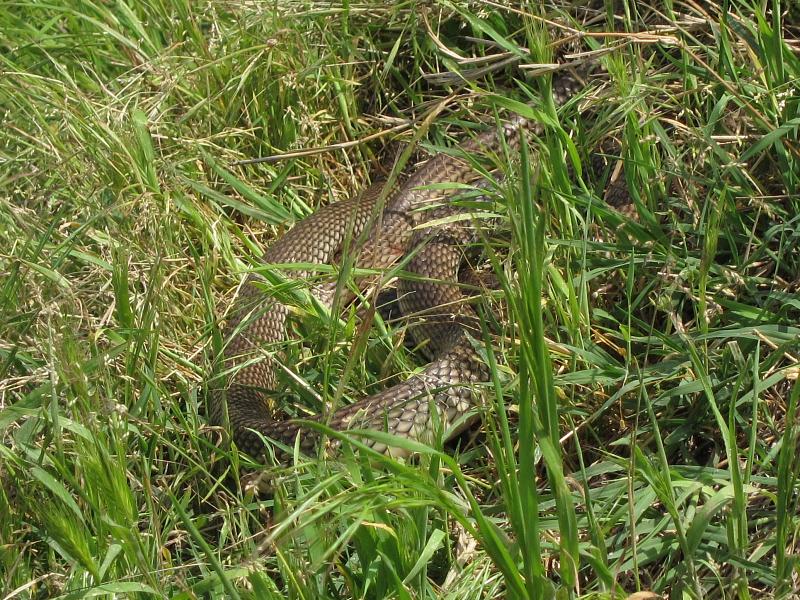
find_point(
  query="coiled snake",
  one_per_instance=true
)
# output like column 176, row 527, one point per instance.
column 446, row 384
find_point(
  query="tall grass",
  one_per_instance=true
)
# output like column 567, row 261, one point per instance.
column 638, row 432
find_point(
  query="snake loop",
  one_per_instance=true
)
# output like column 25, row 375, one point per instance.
column 447, row 383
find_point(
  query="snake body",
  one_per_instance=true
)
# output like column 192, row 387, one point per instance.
column 392, row 222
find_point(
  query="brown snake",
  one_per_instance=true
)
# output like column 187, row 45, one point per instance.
column 447, row 384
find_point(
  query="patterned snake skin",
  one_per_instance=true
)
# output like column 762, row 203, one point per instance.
column 392, row 222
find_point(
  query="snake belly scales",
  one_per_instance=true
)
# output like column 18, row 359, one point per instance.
column 447, row 383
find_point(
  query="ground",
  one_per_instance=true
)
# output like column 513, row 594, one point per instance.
column 639, row 432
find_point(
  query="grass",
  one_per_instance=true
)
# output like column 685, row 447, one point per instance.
column 639, row 430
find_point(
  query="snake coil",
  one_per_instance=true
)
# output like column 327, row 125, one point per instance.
column 447, row 383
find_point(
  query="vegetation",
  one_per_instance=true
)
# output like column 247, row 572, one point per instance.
column 639, row 433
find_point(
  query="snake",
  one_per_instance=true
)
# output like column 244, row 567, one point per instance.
column 411, row 221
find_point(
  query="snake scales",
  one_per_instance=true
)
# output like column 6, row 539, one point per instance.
column 447, row 383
